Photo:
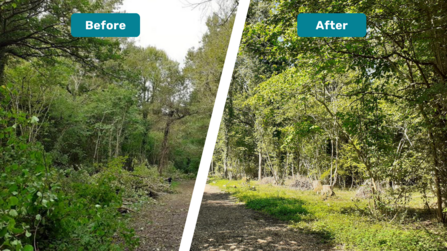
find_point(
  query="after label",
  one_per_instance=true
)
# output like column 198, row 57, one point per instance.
column 331, row 25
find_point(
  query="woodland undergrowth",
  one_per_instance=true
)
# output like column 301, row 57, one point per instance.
column 47, row 208
column 341, row 219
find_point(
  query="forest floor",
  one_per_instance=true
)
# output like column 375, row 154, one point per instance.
column 225, row 224
column 160, row 226
column 236, row 215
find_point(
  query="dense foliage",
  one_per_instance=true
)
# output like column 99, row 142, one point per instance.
column 345, row 111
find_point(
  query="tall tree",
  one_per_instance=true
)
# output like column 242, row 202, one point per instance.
column 349, row 89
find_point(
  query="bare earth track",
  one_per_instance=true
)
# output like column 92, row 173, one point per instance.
column 160, row 227
column 224, row 224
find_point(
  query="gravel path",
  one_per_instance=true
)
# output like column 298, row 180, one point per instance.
column 160, row 227
column 224, row 224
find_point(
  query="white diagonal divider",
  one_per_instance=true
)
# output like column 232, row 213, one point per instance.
column 213, row 129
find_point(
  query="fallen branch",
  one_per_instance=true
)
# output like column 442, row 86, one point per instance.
column 125, row 210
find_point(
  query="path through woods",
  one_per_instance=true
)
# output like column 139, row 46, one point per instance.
column 225, row 224
column 160, row 227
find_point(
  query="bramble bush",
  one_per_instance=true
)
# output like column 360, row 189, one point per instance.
column 42, row 208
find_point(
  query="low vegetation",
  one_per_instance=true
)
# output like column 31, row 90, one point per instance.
column 341, row 219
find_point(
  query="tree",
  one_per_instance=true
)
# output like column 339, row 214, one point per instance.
column 41, row 29
column 361, row 93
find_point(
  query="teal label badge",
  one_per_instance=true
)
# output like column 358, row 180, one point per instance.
column 331, row 25
column 105, row 25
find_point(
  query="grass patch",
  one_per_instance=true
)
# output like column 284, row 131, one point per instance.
column 174, row 184
column 337, row 219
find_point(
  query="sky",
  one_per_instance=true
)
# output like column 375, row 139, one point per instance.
column 168, row 25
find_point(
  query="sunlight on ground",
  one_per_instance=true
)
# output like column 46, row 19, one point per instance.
column 342, row 219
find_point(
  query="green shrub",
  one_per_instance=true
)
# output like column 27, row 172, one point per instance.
column 40, row 207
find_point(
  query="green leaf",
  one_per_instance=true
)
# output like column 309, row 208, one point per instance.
column 28, row 248
column 13, row 201
column 34, row 120
column 13, row 213
column 3, row 231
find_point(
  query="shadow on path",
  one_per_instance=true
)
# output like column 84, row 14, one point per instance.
column 224, row 224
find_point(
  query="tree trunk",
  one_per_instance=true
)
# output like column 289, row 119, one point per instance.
column 439, row 196
column 110, row 143
column 336, row 160
column 260, row 166
column 3, row 59
column 293, row 173
column 436, row 179
column 332, row 161
column 227, row 148
column 164, row 147
column 298, row 159
column 98, row 142
column 225, row 165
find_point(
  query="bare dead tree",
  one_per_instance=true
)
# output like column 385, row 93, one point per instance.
column 224, row 8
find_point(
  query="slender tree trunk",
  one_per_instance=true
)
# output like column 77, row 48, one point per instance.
column 439, row 196
column 298, row 160
column 264, row 171
column 260, row 166
column 98, row 142
column 3, row 60
column 225, row 165
column 352, row 181
column 117, row 144
column 436, row 179
column 144, row 139
column 110, row 143
column 437, row 182
column 118, row 136
column 293, row 173
column 164, row 147
column 332, row 161
column 336, row 160
column 278, row 168
column 227, row 148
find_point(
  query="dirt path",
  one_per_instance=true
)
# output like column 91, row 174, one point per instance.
column 160, row 227
column 224, row 224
